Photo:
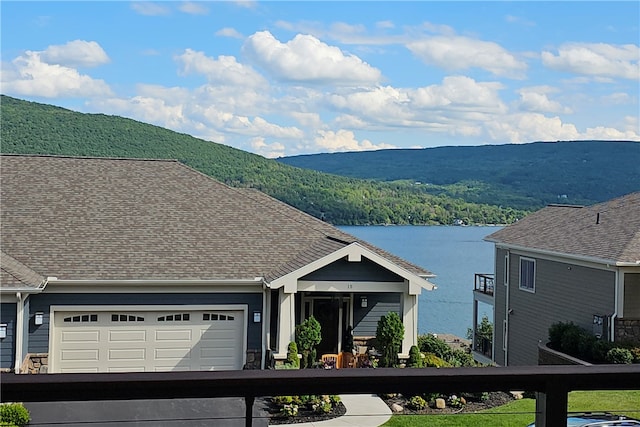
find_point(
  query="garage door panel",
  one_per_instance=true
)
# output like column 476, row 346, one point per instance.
column 123, row 341
column 79, row 370
column 79, row 355
column 81, row 336
column 127, row 354
column 127, row 336
column 173, row 335
column 172, row 353
column 137, row 368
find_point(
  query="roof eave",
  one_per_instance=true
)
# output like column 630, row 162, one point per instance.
column 577, row 257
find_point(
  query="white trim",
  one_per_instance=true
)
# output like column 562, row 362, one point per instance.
column 130, row 308
column 133, row 288
column 346, row 287
column 354, row 251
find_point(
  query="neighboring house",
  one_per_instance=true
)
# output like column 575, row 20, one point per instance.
column 149, row 265
column 564, row 264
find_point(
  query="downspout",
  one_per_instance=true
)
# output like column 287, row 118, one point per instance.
column 506, row 316
column 19, row 332
column 266, row 294
column 612, row 326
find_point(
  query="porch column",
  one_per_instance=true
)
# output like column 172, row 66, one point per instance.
column 286, row 322
column 410, row 321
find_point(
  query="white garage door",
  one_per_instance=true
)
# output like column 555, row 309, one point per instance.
column 121, row 341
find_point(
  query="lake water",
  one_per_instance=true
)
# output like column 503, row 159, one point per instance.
column 453, row 254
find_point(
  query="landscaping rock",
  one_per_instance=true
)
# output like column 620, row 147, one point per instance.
column 396, row 408
column 440, row 403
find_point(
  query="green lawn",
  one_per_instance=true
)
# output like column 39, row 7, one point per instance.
column 520, row 413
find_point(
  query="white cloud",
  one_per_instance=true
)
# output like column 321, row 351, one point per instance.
column 28, row 75
column 149, row 8
column 307, row 59
column 537, row 101
column 527, row 127
column 460, row 93
column 229, row 32
column 618, row 98
column 596, row 59
column 271, row 151
column 194, row 8
column 344, row 140
column 247, row 4
column 462, row 53
column 76, row 53
column 225, row 70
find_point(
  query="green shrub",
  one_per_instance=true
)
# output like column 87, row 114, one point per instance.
column 292, row 355
column 433, row 361
column 415, row 358
column 429, row 343
column 635, row 352
column 282, row 400
column 14, row 414
column 389, row 335
column 417, row 403
column 556, row 332
column 619, row 355
column 322, row 405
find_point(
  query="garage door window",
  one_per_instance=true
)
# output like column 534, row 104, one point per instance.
column 183, row 317
column 126, row 318
column 217, row 317
column 81, row 318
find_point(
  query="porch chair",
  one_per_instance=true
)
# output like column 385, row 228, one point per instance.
column 331, row 361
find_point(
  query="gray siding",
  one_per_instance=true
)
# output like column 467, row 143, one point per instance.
column 366, row 319
column 632, row 296
column 499, row 310
column 8, row 344
column 39, row 335
column 563, row 293
column 364, row 271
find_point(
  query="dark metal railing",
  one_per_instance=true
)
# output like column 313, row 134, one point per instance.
column 552, row 383
column 484, row 283
column 483, row 345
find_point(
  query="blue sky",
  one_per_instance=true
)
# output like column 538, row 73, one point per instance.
column 281, row 78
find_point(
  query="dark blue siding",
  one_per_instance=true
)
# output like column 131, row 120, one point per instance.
column 365, row 319
column 8, row 344
column 39, row 335
column 364, row 271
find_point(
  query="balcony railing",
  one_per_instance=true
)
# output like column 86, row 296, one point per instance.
column 484, row 283
column 483, row 346
column 553, row 383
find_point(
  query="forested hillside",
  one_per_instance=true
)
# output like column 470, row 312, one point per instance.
column 32, row 128
column 525, row 176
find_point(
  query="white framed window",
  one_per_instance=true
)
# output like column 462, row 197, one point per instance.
column 528, row 274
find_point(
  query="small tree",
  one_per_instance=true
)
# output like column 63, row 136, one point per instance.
column 389, row 335
column 292, row 355
column 415, row 358
column 308, row 336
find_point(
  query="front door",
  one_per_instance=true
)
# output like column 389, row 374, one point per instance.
column 326, row 312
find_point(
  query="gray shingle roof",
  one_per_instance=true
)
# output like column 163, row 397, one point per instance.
column 608, row 231
column 123, row 219
column 14, row 274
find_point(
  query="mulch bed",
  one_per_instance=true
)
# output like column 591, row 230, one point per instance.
column 304, row 415
column 473, row 404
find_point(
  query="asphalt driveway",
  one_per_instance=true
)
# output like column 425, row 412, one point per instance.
column 223, row 412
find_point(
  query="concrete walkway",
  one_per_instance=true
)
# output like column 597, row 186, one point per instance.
column 363, row 410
